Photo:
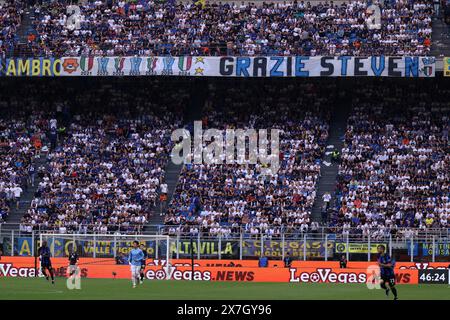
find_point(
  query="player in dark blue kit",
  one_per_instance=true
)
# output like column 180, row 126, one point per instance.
column 46, row 264
column 143, row 262
column 387, row 271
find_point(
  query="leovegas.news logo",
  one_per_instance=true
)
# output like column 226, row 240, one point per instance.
column 235, row 276
column 8, row 270
column 326, row 275
column 172, row 273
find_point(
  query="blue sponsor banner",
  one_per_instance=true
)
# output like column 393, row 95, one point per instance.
column 229, row 249
column 24, row 246
column 441, row 249
column 415, row 249
column 61, row 247
column 295, row 248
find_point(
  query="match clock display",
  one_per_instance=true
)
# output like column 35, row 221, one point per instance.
column 434, row 276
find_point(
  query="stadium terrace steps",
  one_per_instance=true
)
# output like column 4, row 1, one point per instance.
column 192, row 113
column 171, row 179
column 441, row 39
column 15, row 216
column 25, row 26
column 328, row 169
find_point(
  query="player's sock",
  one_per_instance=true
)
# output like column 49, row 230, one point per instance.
column 45, row 274
column 394, row 291
column 52, row 274
column 385, row 288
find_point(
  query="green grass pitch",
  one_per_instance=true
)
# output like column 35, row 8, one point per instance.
column 39, row 288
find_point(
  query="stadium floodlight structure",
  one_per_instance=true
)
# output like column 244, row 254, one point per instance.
column 107, row 248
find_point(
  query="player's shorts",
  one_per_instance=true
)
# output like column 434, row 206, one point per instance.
column 389, row 279
column 143, row 264
column 135, row 270
column 73, row 268
column 46, row 265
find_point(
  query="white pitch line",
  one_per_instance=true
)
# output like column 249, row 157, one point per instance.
column 36, row 292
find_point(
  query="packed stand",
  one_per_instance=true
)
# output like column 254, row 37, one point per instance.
column 21, row 136
column 394, row 176
column 10, row 19
column 105, row 171
column 225, row 199
column 290, row 28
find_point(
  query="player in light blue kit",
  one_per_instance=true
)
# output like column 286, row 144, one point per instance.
column 135, row 259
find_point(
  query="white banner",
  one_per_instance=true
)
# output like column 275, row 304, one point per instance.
column 344, row 66
column 292, row 66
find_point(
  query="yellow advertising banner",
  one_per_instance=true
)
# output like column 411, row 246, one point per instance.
column 446, row 66
column 356, row 247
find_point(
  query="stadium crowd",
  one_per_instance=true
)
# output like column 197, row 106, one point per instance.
column 224, row 199
column 20, row 144
column 395, row 166
column 10, row 19
column 144, row 27
column 107, row 150
column 104, row 171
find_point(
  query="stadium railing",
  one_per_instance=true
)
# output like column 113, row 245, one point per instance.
column 325, row 244
column 320, row 232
